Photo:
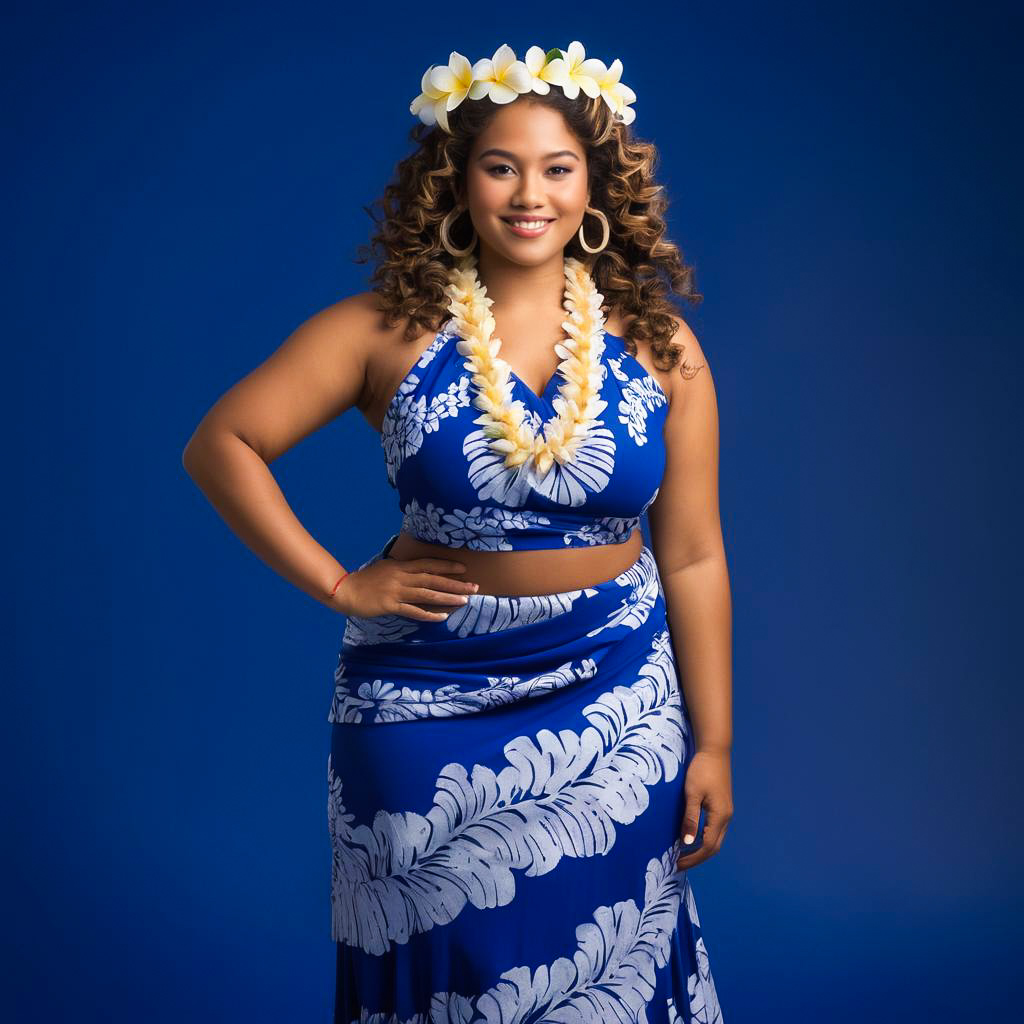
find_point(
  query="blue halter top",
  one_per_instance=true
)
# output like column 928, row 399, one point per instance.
column 454, row 491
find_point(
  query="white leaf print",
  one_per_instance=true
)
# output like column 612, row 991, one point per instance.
column 616, row 365
column 393, row 704
column 483, row 613
column 638, row 397
column 606, row 530
column 588, row 473
column 487, row 473
column 408, row 418
column 645, row 588
column 366, row 1017
column 559, row 796
column 380, row 629
column 493, row 613
column 704, row 1007
column 479, row 529
column 610, row 978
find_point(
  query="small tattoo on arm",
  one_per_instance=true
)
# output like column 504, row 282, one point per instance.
column 688, row 371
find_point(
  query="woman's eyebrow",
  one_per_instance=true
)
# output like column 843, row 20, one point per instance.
column 512, row 156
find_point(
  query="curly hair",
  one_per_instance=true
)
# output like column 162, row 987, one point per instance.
column 635, row 272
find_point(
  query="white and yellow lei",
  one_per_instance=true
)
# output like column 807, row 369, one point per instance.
column 578, row 405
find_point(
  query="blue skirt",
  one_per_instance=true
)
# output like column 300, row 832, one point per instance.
column 505, row 796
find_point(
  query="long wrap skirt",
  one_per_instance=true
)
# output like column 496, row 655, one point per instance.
column 505, row 797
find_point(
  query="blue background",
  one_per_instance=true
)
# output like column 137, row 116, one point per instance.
column 185, row 184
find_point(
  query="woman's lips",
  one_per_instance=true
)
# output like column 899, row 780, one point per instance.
column 528, row 232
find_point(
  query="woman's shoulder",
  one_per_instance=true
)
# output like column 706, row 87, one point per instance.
column 367, row 313
column 387, row 349
column 361, row 312
column 691, row 355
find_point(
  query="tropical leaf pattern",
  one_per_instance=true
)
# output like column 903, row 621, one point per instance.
column 641, row 395
column 588, row 472
column 410, row 415
column 524, row 733
column 387, row 702
column 560, row 795
column 380, row 629
column 483, row 613
column 491, row 507
column 605, row 530
column 704, row 1007
column 645, row 590
column 609, row 529
column 480, row 529
column 610, row 977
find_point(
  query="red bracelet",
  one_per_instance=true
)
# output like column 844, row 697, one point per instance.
column 336, row 585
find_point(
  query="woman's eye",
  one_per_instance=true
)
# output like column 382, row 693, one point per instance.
column 556, row 167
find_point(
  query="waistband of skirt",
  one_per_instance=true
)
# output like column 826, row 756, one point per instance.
column 556, row 618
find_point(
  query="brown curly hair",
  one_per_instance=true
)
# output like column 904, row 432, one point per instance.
column 634, row 272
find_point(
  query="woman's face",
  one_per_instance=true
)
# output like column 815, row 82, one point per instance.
column 527, row 166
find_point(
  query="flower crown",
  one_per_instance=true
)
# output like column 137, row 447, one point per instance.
column 502, row 78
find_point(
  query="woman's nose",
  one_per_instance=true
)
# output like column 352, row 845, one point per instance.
column 530, row 193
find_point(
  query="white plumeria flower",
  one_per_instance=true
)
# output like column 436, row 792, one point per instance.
column 425, row 104
column 581, row 72
column 616, row 94
column 444, row 88
column 544, row 75
column 501, row 77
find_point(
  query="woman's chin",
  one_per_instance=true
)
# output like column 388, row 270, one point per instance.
column 525, row 252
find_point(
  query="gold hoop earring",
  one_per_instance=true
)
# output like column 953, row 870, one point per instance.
column 446, row 239
column 605, row 228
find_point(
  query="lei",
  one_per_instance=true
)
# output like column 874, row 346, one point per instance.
column 578, row 404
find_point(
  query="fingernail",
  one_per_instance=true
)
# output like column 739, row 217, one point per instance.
column 687, row 839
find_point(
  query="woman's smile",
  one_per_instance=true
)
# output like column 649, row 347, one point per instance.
column 528, row 227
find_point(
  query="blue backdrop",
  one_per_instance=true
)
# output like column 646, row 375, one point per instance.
column 185, row 184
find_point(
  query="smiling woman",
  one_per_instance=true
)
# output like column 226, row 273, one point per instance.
column 532, row 225
column 522, row 742
column 528, row 164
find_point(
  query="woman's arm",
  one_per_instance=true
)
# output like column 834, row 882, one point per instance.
column 315, row 375
column 686, row 536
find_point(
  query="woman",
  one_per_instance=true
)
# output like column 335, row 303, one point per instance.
column 516, row 774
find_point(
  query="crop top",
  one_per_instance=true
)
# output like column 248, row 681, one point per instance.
column 455, row 491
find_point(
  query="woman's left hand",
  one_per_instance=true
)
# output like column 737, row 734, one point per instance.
column 708, row 784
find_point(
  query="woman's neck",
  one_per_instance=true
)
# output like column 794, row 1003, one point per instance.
column 519, row 290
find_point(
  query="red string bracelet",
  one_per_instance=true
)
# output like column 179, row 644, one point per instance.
column 334, row 590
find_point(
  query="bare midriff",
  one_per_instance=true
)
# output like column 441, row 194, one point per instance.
column 527, row 573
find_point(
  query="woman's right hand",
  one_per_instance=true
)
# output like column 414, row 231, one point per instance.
column 399, row 586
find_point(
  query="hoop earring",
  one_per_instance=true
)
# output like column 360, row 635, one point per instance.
column 605, row 228
column 446, row 239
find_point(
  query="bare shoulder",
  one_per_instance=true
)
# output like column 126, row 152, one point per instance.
column 692, row 362
column 318, row 372
column 379, row 352
column 357, row 321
